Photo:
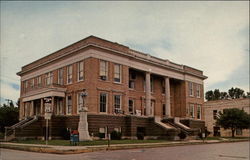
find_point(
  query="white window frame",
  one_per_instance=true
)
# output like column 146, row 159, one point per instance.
column 32, row 83
column 80, row 71
column 133, row 106
column 198, row 109
column 79, row 101
column 67, row 105
column 191, row 89
column 59, row 108
column 60, row 76
column 117, row 109
column 117, row 73
column 151, row 85
column 198, row 91
column 39, row 81
column 103, row 70
column 191, row 110
column 49, row 78
column 69, row 75
column 106, row 105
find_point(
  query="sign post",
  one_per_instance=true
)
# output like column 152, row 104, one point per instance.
column 47, row 116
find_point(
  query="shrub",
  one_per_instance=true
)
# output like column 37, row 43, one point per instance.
column 140, row 136
column 116, row 135
column 101, row 135
column 182, row 135
column 65, row 133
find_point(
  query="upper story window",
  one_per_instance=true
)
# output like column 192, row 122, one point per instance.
column 198, row 90
column 131, row 106
column 79, row 102
column 151, row 84
column 103, row 102
column 69, row 74
column 132, row 78
column 60, row 76
column 49, row 78
column 39, row 81
column 80, row 66
column 198, row 111
column 32, row 83
column 103, row 70
column 69, row 105
column 190, row 89
column 25, row 84
column 163, row 86
column 117, row 103
column 117, row 73
column 191, row 110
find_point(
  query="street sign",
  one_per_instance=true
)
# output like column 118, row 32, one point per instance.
column 47, row 115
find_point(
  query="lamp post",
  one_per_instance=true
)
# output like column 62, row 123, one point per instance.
column 83, row 121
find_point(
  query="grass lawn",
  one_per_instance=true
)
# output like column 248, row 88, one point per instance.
column 89, row 143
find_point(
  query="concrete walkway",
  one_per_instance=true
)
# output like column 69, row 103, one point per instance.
column 83, row 149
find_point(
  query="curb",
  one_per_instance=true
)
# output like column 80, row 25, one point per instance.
column 52, row 150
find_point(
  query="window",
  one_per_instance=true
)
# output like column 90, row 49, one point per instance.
column 117, row 103
column 117, row 73
column 60, row 76
column 132, row 77
column 151, row 84
column 69, row 74
column 32, row 82
column 198, row 90
column 163, row 109
column 59, row 106
column 163, row 86
column 190, row 85
column 238, row 131
column 131, row 106
column 49, row 78
column 198, row 111
column 103, row 102
column 69, row 105
column 39, row 80
column 79, row 102
column 103, row 70
column 80, row 71
column 191, row 110
column 215, row 114
column 26, row 84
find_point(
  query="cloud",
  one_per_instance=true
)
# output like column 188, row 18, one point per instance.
column 211, row 36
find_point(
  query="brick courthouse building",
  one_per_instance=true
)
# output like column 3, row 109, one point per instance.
column 128, row 91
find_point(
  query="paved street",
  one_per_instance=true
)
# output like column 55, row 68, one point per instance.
column 221, row 151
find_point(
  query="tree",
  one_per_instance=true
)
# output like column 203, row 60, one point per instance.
column 233, row 119
column 223, row 95
column 216, row 94
column 8, row 115
column 236, row 93
column 209, row 95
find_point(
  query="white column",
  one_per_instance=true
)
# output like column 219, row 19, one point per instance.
column 148, row 94
column 31, row 108
column 167, row 97
column 41, row 107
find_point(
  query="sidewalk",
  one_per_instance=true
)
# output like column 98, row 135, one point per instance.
column 83, row 149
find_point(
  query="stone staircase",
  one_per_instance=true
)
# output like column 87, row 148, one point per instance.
column 192, row 133
column 10, row 132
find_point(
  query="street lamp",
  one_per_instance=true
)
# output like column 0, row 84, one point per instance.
column 83, row 121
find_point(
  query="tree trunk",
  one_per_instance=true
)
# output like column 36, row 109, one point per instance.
column 233, row 130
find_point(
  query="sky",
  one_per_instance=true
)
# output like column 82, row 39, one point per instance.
column 212, row 36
